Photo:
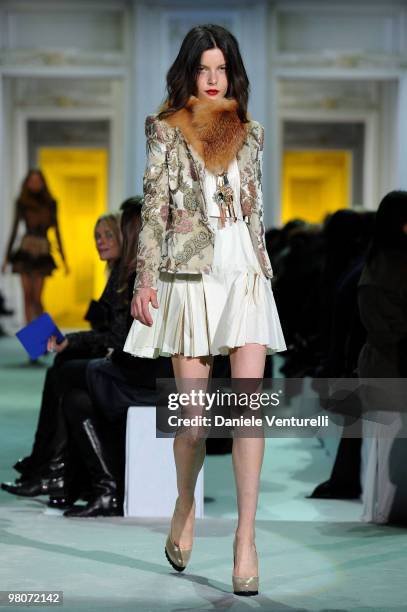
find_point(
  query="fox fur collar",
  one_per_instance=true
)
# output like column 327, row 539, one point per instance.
column 212, row 128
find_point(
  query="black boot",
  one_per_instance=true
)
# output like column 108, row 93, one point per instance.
column 37, row 486
column 51, row 480
column 22, row 465
column 60, row 467
column 66, row 501
column 344, row 482
column 104, row 501
column 330, row 490
column 76, row 486
column 27, row 488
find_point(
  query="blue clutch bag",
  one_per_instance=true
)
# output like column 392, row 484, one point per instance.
column 35, row 335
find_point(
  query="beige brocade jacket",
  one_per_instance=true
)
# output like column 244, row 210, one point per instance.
column 176, row 235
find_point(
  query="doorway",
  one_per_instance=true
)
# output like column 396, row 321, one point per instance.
column 322, row 169
column 315, row 183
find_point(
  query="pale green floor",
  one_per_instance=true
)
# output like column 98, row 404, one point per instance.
column 314, row 555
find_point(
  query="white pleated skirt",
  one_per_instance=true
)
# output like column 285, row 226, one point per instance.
column 211, row 313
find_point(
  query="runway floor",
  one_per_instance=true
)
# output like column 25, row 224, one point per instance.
column 315, row 555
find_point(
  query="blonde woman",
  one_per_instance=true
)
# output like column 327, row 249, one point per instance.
column 203, row 265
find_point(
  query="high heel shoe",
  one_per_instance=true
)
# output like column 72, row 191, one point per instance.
column 244, row 586
column 176, row 556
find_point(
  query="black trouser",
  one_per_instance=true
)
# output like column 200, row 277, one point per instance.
column 60, row 376
column 345, row 473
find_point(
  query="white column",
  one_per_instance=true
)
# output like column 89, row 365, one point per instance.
column 401, row 156
column 254, row 45
column 8, row 283
column 3, row 219
column 387, row 153
column 150, row 62
column 273, row 157
column 273, row 151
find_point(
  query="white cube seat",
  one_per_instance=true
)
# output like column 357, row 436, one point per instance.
column 150, row 480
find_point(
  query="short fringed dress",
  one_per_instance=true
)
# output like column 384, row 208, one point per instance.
column 211, row 313
column 33, row 257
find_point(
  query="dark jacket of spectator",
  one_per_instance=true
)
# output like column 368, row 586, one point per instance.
column 383, row 310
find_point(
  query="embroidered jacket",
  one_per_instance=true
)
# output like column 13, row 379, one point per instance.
column 176, row 235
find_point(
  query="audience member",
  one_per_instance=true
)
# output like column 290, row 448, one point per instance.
column 96, row 412
column 40, row 471
column 383, row 310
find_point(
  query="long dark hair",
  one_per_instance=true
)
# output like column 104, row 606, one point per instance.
column 182, row 76
column 26, row 195
column 130, row 226
column 390, row 218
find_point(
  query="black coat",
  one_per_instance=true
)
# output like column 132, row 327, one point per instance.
column 112, row 333
column 382, row 301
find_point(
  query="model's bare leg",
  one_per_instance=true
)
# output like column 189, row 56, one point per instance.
column 189, row 449
column 38, row 286
column 247, row 362
column 28, row 295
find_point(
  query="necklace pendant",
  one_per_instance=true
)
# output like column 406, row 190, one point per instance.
column 224, row 198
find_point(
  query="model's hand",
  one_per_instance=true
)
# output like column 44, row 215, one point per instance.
column 4, row 266
column 140, row 305
column 53, row 347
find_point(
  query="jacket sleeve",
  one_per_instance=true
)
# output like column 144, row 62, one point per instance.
column 260, row 205
column 259, row 168
column 95, row 343
column 155, row 209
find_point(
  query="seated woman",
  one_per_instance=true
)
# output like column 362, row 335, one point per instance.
column 96, row 412
column 40, row 472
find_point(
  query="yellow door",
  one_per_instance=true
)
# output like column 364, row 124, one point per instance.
column 77, row 178
column 315, row 183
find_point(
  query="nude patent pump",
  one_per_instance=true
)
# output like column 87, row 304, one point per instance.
column 176, row 556
column 244, row 586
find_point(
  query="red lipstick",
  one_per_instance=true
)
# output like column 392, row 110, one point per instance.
column 212, row 92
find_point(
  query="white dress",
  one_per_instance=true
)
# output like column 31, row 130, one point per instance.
column 210, row 313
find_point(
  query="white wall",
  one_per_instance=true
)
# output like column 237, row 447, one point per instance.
column 158, row 32
column 108, row 58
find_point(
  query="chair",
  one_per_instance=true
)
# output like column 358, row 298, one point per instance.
column 150, row 478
